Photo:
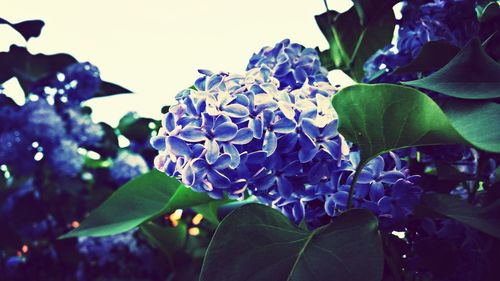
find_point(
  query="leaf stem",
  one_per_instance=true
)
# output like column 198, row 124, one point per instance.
column 326, row 5
column 353, row 184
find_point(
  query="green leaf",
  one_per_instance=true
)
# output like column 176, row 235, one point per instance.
column 383, row 117
column 168, row 239
column 28, row 29
column 477, row 121
column 433, row 55
column 256, row 242
column 28, row 68
column 485, row 219
column 108, row 89
column 138, row 201
column 487, row 9
column 471, row 74
column 353, row 40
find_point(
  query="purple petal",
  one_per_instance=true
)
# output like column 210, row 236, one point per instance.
column 330, row 206
column 285, row 187
column 256, row 126
column 222, row 162
column 268, row 118
column 385, row 204
column 192, row 134
column 330, row 130
column 298, row 212
column 282, row 69
column 158, row 142
column 376, row 165
column 292, row 169
column 221, row 119
column 309, row 128
column 218, row 180
column 391, row 177
column 341, row 198
column 190, row 107
column 401, row 188
column 256, row 157
column 214, row 81
column 233, row 153
column 177, row 146
column 200, row 83
column 226, row 131
column 286, row 143
column 188, row 175
column 265, row 182
column 270, row 142
column 236, row 110
column 284, row 126
column 169, row 122
column 376, row 191
column 332, row 148
column 365, row 176
column 212, row 151
column 199, row 165
column 362, row 190
column 243, row 136
column 306, row 155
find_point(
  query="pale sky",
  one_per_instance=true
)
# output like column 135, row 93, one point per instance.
column 154, row 47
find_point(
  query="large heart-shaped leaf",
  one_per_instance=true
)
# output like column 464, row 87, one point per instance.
column 471, row 74
column 485, row 219
column 138, row 201
column 433, row 55
column 28, row 29
column 384, row 117
column 256, row 242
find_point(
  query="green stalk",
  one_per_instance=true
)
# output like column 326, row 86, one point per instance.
column 353, row 184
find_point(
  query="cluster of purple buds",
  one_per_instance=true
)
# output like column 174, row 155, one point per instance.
column 290, row 63
column 247, row 135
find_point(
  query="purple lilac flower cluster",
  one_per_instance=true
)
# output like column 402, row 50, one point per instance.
column 50, row 124
column 422, row 21
column 248, row 134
